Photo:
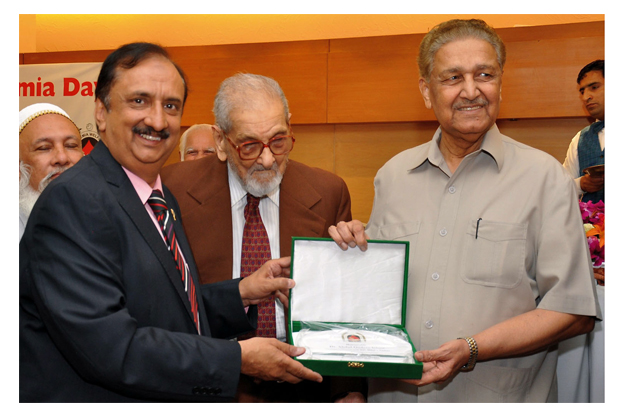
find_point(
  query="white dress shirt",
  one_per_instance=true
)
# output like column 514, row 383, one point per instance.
column 269, row 208
column 571, row 163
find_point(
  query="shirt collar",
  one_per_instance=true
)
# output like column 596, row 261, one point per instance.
column 143, row 189
column 492, row 144
column 237, row 192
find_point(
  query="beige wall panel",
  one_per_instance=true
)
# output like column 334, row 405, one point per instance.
column 552, row 136
column 66, row 57
column 374, row 87
column 540, row 77
column 552, row 31
column 314, row 146
column 408, row 44
column 362, row 194
column 255, row 50
column 375, row 79
column 302, row 78
column 361, row 149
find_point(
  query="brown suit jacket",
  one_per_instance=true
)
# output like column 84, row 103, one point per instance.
column 311, row 200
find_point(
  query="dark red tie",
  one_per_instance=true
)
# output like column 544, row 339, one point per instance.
column 254, row 253
column 159, row 206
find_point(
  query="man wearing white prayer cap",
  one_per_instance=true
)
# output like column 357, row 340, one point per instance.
column 49, row 145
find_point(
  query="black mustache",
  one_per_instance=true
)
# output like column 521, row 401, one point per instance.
column 150, row 131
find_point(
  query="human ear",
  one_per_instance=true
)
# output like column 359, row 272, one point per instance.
column 424, row 87
column 220, row 142
column 100, row 115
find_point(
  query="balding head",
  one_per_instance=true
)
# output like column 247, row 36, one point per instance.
column 197, row 142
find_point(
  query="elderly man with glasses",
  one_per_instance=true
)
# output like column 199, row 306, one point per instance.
column 251, row 198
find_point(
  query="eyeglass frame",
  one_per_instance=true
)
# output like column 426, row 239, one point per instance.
column 238, row 147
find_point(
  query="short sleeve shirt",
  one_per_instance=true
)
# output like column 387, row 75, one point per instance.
column 499, row 237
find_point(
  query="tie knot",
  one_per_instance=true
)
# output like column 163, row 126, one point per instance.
column 157, row 202
column 252, row 201
column 251, row 209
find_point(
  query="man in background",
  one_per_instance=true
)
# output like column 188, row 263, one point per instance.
column 581, row 359
column 588, row 146
column 197, row 142
column 49, row 144
column 111, row 309
column 499, row 267
column 253, row 184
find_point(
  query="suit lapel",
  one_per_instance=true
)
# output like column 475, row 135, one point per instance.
column 211, row 190
column 297, row 218
column 127, row 197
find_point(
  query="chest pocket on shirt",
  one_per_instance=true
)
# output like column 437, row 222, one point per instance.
column 497, row 257
column 399, row 231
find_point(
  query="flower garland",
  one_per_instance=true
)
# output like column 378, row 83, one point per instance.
column 593, row 216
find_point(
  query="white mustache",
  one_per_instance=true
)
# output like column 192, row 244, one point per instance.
column 46, row 180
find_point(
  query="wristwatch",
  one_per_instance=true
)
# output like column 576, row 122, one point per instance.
column 473, row 354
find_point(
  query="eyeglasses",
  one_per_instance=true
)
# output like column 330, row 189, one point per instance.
column 251, row 150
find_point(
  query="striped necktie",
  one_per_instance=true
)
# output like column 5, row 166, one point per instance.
column 159, row 206
column 255, row 251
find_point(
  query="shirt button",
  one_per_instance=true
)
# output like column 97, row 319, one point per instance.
column 429, row 324
column 452, row 190
column 443, row 232
column 435, row 276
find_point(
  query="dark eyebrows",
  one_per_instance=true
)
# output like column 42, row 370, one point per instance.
column 581, row 90
column 177, row 101
column 144, row 94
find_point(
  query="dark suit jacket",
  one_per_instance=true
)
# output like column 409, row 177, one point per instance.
column 311, row 200
column 103, row 314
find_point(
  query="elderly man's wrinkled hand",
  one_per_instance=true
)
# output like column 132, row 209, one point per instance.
column 442, row 363
column 349, row 235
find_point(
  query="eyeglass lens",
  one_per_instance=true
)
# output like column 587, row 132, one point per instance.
column 278, row 146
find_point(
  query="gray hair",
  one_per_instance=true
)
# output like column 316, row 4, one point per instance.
column 183, row 138
column 28, row 196
column 235, row 91
column 25, row 170
column 456, row 29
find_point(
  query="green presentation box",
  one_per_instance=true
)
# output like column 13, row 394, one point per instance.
column 348, row 306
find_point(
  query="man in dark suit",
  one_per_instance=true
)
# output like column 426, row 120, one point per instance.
column 254, row 138
column 108, row 306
